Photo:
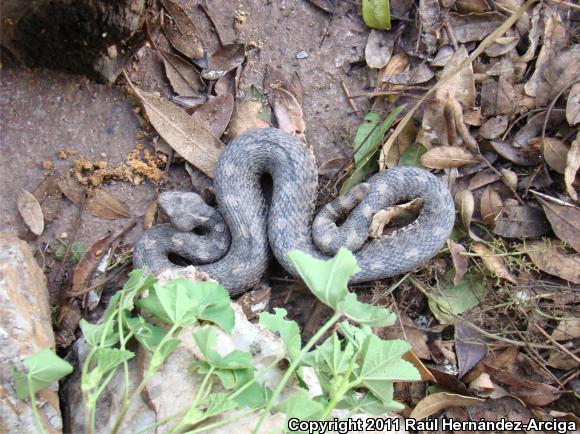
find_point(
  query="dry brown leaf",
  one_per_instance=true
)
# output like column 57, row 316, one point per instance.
column 246, row 116
column 530, row 392
column 519, row 156
column 216, row 113
column 150, row 215
column 533, row 127
column 431, row 404
column 405, row 328
column 465, row 204
column 482, row 178
column 181, row 32
column 567, row 329
column 224, row 60
column 30, row 211
column 99, row 202
column 446, row 157
column 288, row 111
column 493, row 263
column 521, row 222
column 509, row 178
column 379, row 48
column 460, row 262
column 504, row 44
column 565, row 220
column 560, row 360
column 482, row 385
column 573, row 105
column 558, row 74
column 420, row 74
column 462, row 84
column 497, row 97
column 572, row 166
column 49, row 196
column 552, row 259
column 412, row 358
column 494, row 127
column 555, row 38
column 490, row 206
column 474, row 27
column 555, row 152
column 186, row 135
column 182, row 76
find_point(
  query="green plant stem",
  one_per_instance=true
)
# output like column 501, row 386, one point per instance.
column 221, row 422
column 151, row 370
column 33, row 405
column 195, row 403
column 333, row 320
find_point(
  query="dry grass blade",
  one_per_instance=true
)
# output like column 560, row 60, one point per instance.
column 488, row 41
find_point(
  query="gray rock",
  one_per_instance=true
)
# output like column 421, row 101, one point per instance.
column 25, row 328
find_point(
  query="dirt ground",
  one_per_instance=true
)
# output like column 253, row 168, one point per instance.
column 45, row 111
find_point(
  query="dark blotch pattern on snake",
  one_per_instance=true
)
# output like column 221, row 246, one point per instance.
column 287, row 223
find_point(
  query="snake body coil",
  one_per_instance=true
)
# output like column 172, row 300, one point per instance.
column 286, row 224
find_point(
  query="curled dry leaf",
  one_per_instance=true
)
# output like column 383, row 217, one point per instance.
column 460, row 261
column 490, row 206
column 224, row 60
column 403, row 214
column 509, row 178
column 99, row 202
column 521, row 222
column 564, row 218
column 216, row 113
column 572, row 166
column 182, row 76
column 30, row 211
column 465, row 204
column 435, row 402
column 552, row 259
column 379, row 48
column 150, row 215
column 186, row 135
column 519, row 156
column 493, row 263
column 573, row 105
column 181, row 32
column 446, row 157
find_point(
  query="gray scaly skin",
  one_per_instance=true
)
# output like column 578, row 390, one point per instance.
column 287, row 224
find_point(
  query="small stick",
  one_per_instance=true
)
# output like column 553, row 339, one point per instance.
column 556, row 343
column 349, row 98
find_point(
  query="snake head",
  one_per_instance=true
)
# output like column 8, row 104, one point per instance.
column 186, row 210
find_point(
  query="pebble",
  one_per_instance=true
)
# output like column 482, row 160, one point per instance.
column 302, row 55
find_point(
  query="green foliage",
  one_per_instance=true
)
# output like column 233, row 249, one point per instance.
column 355, row 368
column 42, row 369
column 328, row 282
column 367, row 142
column 456, row 299
column 412, row 155
column 376, row 14
column 77, row 250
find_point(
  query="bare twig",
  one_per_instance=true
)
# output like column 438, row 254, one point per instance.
column 349, row 98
